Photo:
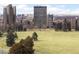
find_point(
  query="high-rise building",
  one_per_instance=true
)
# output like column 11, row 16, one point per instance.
column 50, row 20
column 5, row 15
column 5, row 18
column 9, row 16
column 40, row 16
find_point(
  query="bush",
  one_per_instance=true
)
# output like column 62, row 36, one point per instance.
column 10, row 39
column 23, row 47
column 16, row 36
column 1, row 34
column 35, row 36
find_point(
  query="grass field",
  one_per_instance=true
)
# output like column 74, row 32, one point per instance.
column 50, row 42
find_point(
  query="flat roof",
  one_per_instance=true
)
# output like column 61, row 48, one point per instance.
column 40, row 6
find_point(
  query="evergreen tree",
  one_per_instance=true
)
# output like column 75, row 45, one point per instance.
column 76, row 25
column 35, row 36
column 23, row 47
column 65, row 25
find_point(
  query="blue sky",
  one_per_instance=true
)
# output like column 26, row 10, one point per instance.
column 57, row 9
column 69, row 9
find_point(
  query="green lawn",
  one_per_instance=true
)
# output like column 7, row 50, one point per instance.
column 50, row 41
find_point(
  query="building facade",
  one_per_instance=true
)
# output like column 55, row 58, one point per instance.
column 50, row 21
column 40, row 16
column 71, row 19
column 9, row 16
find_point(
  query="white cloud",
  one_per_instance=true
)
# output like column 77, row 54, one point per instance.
column 62, row 6
column 75, row 12
column 25, row 9
column 21, row 9
column 59, row 11
column 1, row 9
column 55, row 10
column 5, row 2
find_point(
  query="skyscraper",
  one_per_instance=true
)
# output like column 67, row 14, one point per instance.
column 9, row 16
column 40, row 16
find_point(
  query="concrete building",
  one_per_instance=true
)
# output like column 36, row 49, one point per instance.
column 40, row 16
column 72, row 19
column 27, row 21
column 9, row 16
column 50, row 21
column 1, row 23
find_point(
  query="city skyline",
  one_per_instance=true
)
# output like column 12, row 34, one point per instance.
column 56, row 9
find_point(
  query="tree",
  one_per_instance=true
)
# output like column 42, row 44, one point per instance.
column 1, row 34
column 76, row 25
column 10, row 38
column 16, row 36
column 25, row 46
column 35, row 36
column 69, row 26
column 65, row 25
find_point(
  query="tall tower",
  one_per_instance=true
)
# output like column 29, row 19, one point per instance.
column 40, row 16
column 9, row 16
column 14, row 14
column 5, row 18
